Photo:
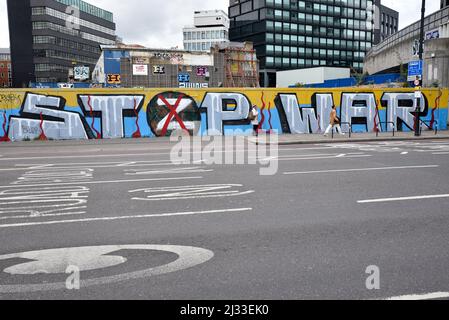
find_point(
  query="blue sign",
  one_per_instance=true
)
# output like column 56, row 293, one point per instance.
column 183, row 77
column 415, row 70
column 435, row 34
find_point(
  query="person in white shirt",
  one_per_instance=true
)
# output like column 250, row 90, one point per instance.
column 254, row 117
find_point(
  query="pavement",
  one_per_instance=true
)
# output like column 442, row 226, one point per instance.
column 130, row 224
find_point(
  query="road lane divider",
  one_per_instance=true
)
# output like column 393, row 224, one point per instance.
column 131, row 217
column 435, row 196
column 361, row 169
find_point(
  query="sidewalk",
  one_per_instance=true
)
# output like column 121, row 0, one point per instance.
column 289, row 139
column 284, row 139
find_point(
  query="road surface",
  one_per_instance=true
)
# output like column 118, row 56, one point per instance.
column 136, row 226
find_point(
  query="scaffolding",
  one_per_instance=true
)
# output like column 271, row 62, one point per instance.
column 241, row 66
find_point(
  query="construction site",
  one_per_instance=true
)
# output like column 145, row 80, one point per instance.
column 225, row 65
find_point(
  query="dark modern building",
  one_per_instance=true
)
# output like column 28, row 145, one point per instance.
column 444, row 3
column 388, row 22
column 294, row 34
column 49, row 38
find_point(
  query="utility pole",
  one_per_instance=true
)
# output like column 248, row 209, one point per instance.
column 420, row 53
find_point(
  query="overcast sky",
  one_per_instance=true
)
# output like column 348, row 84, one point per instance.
column 158, row 23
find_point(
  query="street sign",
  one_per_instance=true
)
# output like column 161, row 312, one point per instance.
column 183, row 77
column 81, row 73
column 415, row 70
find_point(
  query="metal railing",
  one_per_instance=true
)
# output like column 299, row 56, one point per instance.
column 428, row 125
column 386, row 122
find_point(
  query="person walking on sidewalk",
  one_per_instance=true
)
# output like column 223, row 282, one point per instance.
column 334, row 122
column 254, row 117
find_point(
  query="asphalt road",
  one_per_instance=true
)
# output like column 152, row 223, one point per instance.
column 203, row 231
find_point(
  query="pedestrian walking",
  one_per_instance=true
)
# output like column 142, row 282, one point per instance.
column 254, row 117
column 334, row 122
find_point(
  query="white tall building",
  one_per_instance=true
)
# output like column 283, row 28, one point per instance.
column 210, row 28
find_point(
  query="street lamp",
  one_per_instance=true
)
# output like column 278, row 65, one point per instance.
column 420, row 54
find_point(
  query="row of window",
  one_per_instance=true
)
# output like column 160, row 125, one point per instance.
column 301, row 51
column 72, row 20
column 206, row 35
column 41, row 53
column 316, row 41
column 39, row 25
column 293, row 4
column 345, row 13
column 346, row 7
column 5, row 66
column 88, row 8
column 294, row 62
column 49, row 67
column 200, row 46
column 317, row 30
column 65, row 43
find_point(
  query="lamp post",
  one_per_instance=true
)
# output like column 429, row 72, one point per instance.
column 420, row 54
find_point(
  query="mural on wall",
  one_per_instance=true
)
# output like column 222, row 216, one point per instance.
column 119, row 113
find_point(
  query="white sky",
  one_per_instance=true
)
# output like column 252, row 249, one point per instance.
column 159, row 23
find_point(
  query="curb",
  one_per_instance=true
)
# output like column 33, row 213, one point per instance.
column 334, row 141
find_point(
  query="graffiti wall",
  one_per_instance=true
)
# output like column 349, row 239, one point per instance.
column 133, row 113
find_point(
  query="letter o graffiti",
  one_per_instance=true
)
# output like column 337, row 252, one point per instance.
column 169, row 111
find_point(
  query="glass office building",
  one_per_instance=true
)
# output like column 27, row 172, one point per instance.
column 50, row 37
column 295, row 34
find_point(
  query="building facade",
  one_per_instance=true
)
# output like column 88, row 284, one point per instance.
column 294, row 34
column 5, row 68
column 210, row 28
column 386, row 22
column 50, row 38
column 225, row 65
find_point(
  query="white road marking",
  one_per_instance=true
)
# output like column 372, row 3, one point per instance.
column 133, row 172
column 143, row 216
column 190, row 192
column 435, row 196
column 322, row 158
column 440, row 153
column 121, row 155
column 44, row 215
column 404, row 153
column 95, row 257
column 102, row 182
column 415, row 297
column 360, row 169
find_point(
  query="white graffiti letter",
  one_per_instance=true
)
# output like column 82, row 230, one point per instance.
column 400, row 106
column 217, row 114
column 56, row 123
column 113, row 109
column 359, row 105
column 300, row 120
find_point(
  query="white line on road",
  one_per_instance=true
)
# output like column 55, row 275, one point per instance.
column 435, row 196
column 361, row 169
column 427, row 296
column 440, row 153
column 143, row 216
column 99, row 182
column 323, row 158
